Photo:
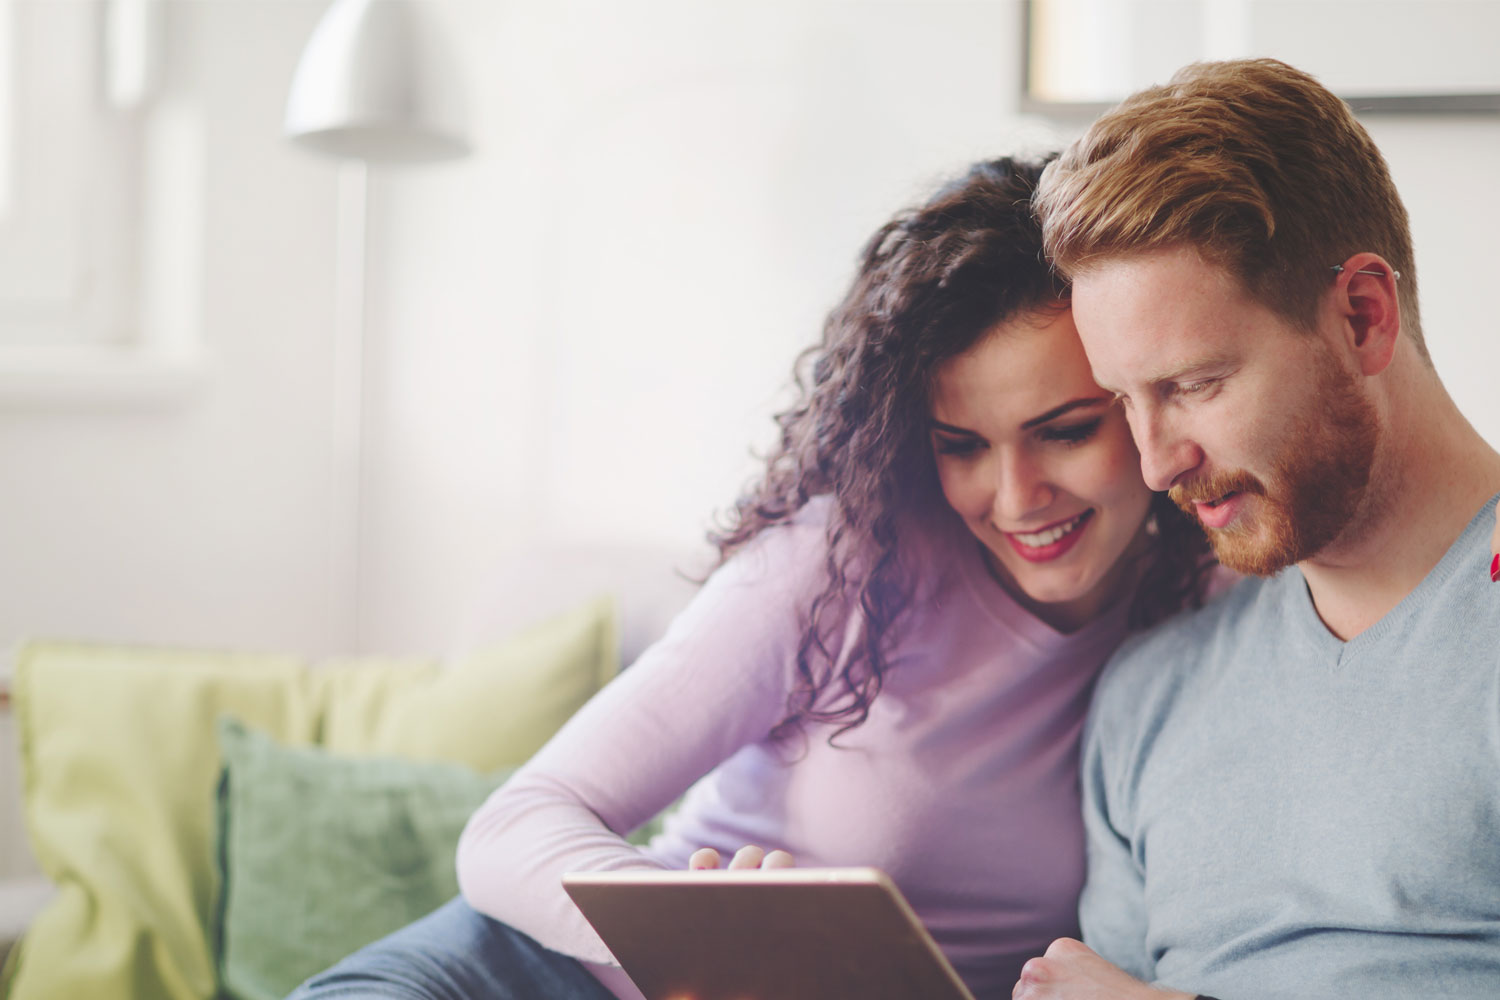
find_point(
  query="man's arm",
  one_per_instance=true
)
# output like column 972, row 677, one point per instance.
column 1112, row 910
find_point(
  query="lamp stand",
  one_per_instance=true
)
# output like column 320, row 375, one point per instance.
column 346, row 528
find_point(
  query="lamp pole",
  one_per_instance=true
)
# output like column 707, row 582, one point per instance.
column 376, row 84
column 346, row 526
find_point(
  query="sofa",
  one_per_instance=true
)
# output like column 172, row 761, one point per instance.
column 221, row 823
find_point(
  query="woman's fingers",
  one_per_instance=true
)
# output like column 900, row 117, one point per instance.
column 749, row 856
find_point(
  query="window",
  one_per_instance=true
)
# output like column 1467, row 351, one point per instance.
column 98, row 206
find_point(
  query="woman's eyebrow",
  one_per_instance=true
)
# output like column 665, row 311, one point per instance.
column 938, row 425
column 1058, row 411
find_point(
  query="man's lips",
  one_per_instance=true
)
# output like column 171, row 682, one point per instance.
column 1216, row 500
column 1219, row 512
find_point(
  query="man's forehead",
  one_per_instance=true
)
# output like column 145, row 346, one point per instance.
column 1157, row 317
column 1148, row 274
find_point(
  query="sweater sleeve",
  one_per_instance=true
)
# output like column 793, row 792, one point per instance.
column 1112, row 909
column 717, row 680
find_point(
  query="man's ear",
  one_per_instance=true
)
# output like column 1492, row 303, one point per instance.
column 1370, row 310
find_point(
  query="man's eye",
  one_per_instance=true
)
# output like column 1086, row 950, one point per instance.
column 1202, row 387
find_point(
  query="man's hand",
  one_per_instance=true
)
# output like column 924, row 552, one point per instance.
column 749, row 856
column 1071, row 970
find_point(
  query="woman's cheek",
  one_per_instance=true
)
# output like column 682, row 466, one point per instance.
column 951, row 479
column 1115, row 471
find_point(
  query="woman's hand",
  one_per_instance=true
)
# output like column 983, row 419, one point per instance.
column 749, row 856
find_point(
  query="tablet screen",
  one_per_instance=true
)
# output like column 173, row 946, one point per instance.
column 765, row 934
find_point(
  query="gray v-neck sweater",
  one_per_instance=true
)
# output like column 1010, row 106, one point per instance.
column 1275, row 813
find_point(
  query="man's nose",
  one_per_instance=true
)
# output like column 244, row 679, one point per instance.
column 1166, row 453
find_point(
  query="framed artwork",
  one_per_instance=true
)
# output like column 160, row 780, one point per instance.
column 1395, row 56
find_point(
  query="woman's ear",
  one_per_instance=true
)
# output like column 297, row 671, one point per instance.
column 1367, row 302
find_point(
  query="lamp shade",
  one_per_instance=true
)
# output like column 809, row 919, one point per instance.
column 376, row 83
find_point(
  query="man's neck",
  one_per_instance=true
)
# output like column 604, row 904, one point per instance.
column 1431, row 476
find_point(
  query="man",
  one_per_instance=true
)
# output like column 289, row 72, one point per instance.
column 1296, row 791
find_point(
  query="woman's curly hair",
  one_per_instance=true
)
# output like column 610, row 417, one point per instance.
column 930, row 283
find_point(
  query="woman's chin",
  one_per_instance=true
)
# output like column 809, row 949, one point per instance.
column 1061, row 597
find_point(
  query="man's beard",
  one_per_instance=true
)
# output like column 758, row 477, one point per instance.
column 1316, row 487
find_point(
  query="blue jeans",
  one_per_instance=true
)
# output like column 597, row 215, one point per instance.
column 454, row 953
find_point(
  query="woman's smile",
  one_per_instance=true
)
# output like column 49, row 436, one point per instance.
column 1052, row 541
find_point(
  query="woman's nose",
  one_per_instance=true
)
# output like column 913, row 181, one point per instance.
column 1021, row 489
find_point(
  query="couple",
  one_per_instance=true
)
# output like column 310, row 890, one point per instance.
column 1292, row 792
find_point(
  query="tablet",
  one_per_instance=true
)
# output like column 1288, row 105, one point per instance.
column 765, row 934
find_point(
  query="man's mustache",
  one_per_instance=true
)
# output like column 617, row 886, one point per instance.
column 1214, row 487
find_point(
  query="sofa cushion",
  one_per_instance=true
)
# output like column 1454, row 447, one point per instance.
column 491, row 708
column 120, row 767
column 119, row 770
column 319, row 854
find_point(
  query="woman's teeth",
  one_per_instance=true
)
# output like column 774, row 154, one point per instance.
column 1038, row 539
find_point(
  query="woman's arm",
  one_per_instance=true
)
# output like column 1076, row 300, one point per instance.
column 718, row 680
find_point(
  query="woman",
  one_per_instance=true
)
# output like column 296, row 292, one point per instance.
column 890, row 666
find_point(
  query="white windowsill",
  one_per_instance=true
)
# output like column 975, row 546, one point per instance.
column 87, row 376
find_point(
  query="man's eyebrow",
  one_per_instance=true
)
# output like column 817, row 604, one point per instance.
column 1067, row 407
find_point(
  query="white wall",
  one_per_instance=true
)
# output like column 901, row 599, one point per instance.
column 1446, row 171
column 202, row 519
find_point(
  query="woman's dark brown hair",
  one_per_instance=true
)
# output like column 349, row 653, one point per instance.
column 930, row 282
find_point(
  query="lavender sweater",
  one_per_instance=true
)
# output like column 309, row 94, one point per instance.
column 962, row 784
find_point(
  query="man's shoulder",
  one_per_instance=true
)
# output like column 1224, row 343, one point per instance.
column 1155, row 664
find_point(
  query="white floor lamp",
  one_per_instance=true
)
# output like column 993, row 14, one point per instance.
column 375, row 84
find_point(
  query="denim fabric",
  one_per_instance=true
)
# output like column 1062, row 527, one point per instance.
column 454, row 953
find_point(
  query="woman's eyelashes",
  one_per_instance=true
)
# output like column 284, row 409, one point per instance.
column 1070, row 434
column 1063, row 434
column 960, row 446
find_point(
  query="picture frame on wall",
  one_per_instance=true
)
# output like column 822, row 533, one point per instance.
column 1382, row 56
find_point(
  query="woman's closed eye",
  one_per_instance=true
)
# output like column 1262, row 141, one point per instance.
column 1070, row 434
column 958, row 446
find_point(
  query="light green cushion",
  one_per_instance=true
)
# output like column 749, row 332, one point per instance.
column 119, row 770
column 321, row 853
column 492, row 708
column 120, row 766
